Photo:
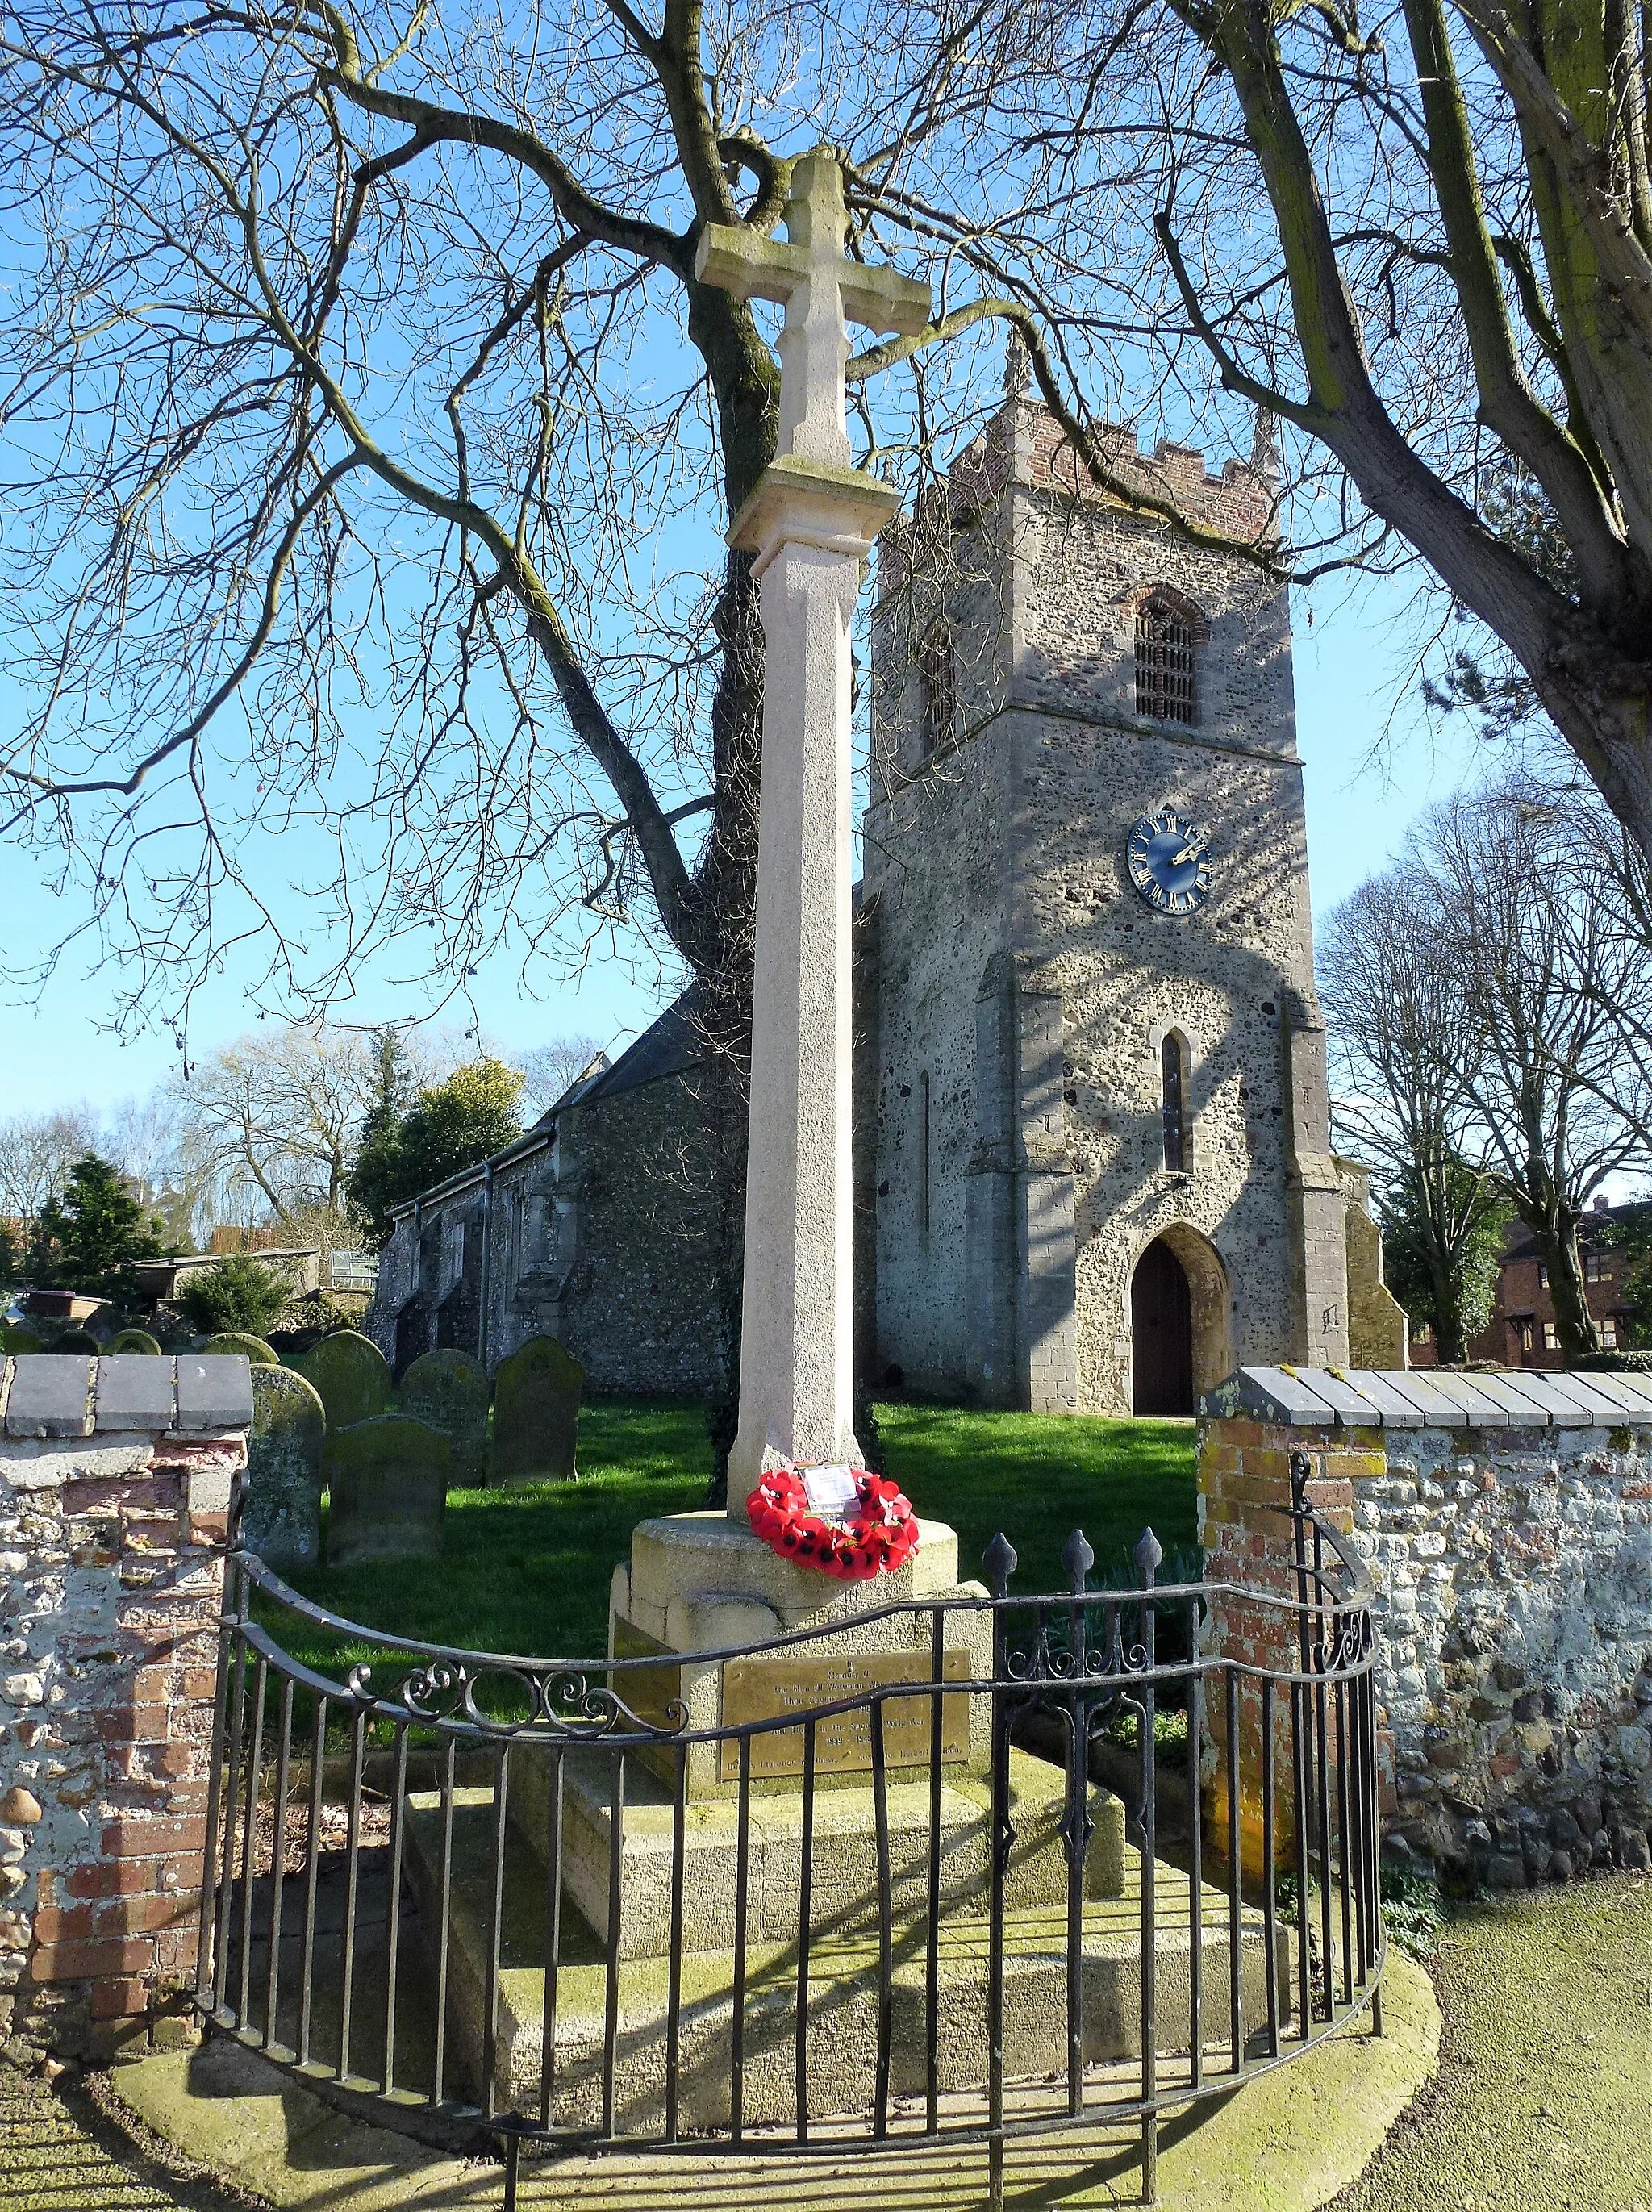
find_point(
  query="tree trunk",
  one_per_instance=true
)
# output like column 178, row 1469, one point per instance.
column 726, row 900
column 1555, row 1231
column 1450, row 1335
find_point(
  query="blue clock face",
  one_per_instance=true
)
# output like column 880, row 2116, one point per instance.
column 1167, row 862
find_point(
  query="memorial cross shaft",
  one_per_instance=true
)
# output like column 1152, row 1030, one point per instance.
column 810, row 522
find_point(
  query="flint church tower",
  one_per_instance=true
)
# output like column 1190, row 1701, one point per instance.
column 1094, row 1138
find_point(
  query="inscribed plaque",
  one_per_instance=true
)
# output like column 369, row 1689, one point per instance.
column 759, row 1689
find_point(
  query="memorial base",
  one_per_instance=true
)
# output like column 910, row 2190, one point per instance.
column 842, row 2001
column 699, row 1583
column 843, row 1852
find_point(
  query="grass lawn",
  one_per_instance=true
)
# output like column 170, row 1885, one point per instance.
column 1039, row 1476
column 526, row 1569
column 1540, row 2102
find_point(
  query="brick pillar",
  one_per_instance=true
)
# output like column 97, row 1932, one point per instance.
column 1246, row 1533
column 111, row 1544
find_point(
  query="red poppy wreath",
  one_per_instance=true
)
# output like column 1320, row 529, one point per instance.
column 873, row 1536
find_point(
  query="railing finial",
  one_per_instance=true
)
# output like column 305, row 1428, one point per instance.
column 1148, row 1555
column 1078, row 1559
column 998, row 1562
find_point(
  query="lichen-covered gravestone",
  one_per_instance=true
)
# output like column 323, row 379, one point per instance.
column 386, row 1490
column 280, row 1519
column 250, row 1346
column 536, row 1414
column 351, row 1374
column 448, row 1390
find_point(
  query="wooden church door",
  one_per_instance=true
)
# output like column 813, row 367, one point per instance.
column 1162, row 1334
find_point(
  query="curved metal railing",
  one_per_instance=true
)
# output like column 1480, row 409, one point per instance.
column 1078, row 1857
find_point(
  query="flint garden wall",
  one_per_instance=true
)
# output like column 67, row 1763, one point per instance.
column 1506, row 1520
column 116, row 1482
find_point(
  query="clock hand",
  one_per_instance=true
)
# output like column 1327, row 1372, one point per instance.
column 1191, row 850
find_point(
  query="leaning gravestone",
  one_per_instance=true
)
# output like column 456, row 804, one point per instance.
column 281, row 1519
column 249, row 1347
column 351, row 1374
column 386, row 1490
column 448, row 1391
column 536, row 1414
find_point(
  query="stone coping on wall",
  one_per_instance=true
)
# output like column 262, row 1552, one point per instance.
column 1400, row 1398
column 48, row 1393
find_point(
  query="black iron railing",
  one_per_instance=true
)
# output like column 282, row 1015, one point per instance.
column 1082, row 1857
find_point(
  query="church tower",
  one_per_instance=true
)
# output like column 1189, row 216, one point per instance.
column 1094, row 1118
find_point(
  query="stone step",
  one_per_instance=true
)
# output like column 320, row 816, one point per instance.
column 842, row 2000
column 843, row 1860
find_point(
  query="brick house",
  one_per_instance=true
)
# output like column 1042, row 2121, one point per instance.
column 1522, row 1332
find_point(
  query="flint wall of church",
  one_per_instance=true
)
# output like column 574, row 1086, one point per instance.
column 606, row 1242
column 638, row 1217
column 1013, row 840
column 935, row 866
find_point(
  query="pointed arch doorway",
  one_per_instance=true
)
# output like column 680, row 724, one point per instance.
column 1181, row 1343
column 1161, row 1334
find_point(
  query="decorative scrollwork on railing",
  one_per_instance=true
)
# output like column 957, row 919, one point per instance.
column 498, row 1700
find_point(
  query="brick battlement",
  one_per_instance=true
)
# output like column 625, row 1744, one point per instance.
column 1240, row 502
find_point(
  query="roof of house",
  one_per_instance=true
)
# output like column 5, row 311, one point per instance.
column 1519, row 1244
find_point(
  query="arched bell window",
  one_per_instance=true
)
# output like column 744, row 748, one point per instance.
column 1167, row 672
column 1173, row 1068
column 937, row 677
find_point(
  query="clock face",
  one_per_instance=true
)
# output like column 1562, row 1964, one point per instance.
column 1166, row 855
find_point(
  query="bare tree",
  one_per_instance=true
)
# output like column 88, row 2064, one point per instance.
column 276, row 1116
column 551, row 1068
column 1544, row 1050
column 36, row 1153
column 1405, row 1066
column 1419, row 239
column 358, row 388
column 1610, row 896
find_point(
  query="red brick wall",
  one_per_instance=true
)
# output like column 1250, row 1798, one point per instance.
column 113, row 1550
column 1245, row 1528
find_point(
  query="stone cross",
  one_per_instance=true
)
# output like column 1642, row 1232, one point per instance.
column 819, row 289
column 810, row 522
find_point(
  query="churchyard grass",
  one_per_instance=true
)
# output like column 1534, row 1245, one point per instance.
column 1039, row 1476
column 525, row 1569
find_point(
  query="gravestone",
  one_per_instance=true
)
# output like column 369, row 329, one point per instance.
column 281, row 1519
column 15, row 1339
column 536, row 1414
column 250, row 1346
column 137, row 1340
column 351, row 1376
column 386, row 1490
column 447, row 1390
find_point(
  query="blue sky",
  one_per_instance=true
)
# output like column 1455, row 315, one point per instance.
column 1374, row 760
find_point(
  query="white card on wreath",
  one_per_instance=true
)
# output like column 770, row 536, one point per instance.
column 831, row 1491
